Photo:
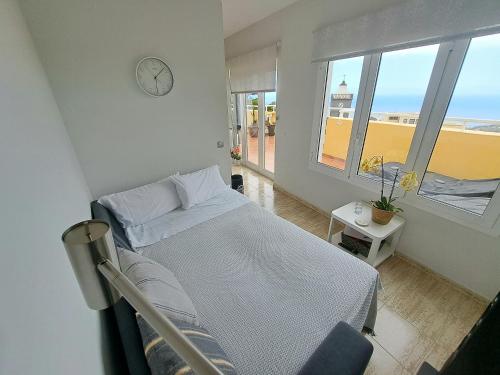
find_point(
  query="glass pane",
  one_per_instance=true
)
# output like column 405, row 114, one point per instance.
column 270, row 125
column 464, row 169
column 233, row 110
column 252, row 124
column 235, row 127
column 399, row 94
column 341, row 95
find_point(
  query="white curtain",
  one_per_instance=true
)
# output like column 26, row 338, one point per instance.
column 254, row 71
column 412, row 23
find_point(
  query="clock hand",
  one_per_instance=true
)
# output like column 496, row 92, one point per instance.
column 156, row 81
column 159, row 72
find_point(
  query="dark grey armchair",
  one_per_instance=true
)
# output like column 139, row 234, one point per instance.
column 344, row 352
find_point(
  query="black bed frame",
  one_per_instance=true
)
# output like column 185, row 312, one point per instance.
column 130, row 337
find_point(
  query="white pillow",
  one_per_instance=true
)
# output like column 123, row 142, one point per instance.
column 197, row 187
column 144, row 203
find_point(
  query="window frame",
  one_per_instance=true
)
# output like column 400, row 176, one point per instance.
column 445, row 73
column 455, row 58
column 324, row 75
column 426, row 108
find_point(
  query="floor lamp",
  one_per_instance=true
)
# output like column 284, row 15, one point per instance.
column 92, row 254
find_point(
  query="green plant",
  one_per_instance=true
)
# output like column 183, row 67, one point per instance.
column 255, row 103
column 408, row 182
column 386, row 205
column 236, row 153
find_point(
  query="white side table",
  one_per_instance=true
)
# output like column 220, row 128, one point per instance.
column 390, row 232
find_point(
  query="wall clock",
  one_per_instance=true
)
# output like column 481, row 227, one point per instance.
column 154, row 76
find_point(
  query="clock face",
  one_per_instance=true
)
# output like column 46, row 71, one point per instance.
column 154, row 76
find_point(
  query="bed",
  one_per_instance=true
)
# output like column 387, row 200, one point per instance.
column 268, row 291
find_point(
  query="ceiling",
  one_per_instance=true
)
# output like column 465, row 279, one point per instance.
column 239, row 14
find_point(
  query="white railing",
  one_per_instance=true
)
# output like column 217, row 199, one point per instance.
column 412, row 118
column 251, row 107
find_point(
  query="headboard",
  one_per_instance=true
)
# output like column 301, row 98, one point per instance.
column 130, row 336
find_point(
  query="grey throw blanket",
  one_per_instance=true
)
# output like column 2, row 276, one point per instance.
column 268, row 291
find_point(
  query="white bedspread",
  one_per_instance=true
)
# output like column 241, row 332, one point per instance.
column 268, row 291
column 180, row 219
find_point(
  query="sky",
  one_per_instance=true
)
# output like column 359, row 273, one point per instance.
column 404, row 75
column 269, row 98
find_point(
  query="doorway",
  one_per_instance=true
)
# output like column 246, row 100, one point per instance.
column 256, row 118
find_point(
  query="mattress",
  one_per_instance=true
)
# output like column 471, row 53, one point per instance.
column 268, row 291
column 180, row 219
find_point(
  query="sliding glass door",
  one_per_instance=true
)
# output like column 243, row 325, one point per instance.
column 252, row 127
column 259, row 119
column 269, row 130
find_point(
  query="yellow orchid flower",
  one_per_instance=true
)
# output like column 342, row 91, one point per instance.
column 377, row 161
column 409, row 181
column 366, row 166
column 372, row 164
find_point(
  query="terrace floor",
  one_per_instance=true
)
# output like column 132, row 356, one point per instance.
column 332, row 161
column 421, row 316
column 469, row 195
column 253, row 151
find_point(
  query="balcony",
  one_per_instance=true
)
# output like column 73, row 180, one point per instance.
column 464, row 170
column 448, row 159
column 269, row 137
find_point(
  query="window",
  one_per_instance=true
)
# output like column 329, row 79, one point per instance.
column 269, row 136
column 252, row 126
column 464, row 169
column 434, row 109
column 401, row 85
column 340, row 100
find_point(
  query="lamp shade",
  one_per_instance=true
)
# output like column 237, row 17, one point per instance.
column 87, row 244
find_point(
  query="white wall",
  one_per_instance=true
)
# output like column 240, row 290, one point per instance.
column 122, row 137
column 46, row 327
column 461, row 254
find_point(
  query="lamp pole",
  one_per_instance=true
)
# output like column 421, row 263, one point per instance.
column 92, row 254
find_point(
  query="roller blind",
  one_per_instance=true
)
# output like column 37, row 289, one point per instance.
column 412, row 23
column 254, row 71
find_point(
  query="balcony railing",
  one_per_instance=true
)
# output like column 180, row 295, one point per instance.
column 460, row 153
column 464, row 170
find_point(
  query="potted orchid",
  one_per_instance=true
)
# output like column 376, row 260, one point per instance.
column 383, row 209
column 236, row 154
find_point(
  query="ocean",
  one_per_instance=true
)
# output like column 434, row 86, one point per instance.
column 473, row 106
column 480, row 107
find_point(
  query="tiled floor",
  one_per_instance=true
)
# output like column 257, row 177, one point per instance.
column 421, row 316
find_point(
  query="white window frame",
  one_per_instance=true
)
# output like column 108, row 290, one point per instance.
column 260, row 166
column 445, row 73
column 427, row 103
column 454, row 57
column 320, row 116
